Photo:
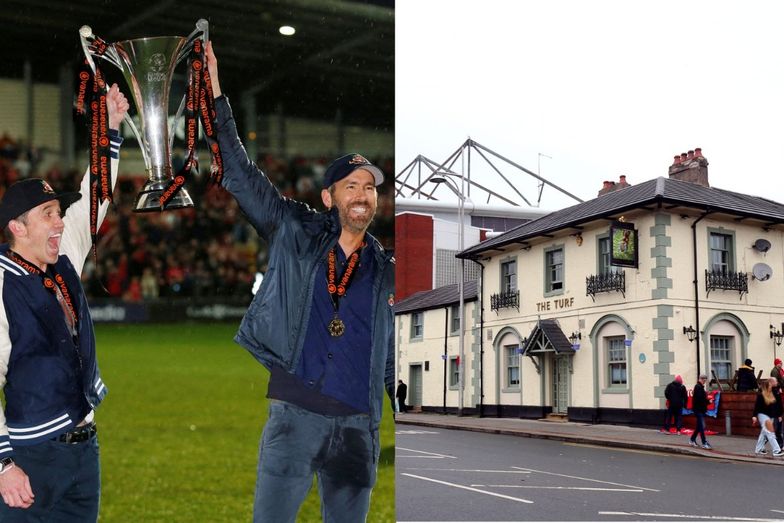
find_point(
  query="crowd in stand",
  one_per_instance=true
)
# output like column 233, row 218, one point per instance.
column 208, row 250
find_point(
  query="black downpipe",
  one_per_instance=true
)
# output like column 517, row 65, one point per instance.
column 481, row 339
column 446, row 337
column 696, row 287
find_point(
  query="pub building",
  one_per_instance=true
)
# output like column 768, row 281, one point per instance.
column 587, row 313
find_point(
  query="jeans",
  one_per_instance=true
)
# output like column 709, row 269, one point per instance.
column 673, row 413
column 66, row 482
column 699, row 428
column 296, row 444
column 765, row 434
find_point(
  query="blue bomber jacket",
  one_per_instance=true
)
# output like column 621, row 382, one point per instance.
column 274, row 328
column 50, row 378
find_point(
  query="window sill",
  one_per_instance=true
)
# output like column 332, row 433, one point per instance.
column 616, row 390
column 511, row 389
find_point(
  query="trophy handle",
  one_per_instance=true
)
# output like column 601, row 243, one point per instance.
column 202, row 31
column 86, row 37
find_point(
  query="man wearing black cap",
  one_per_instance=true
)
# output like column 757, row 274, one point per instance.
column 49, row 467
column 322, row 323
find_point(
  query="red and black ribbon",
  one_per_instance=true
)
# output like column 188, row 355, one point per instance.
column 52, row 283
column 91, row 101
column 199, row 105
column 337, row 287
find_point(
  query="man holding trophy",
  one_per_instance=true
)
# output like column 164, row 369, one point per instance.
column 322, row 323
column 49, row 465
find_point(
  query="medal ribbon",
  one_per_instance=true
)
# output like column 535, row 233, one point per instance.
column 54, row 284
column 337, row 291
column 199, row 104
column 91, row 101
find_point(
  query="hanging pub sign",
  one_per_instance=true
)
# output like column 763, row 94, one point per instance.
column 624, row 245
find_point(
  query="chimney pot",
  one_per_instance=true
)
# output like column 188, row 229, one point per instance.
column 677, row 159
column 691, row 167
column 623, row 178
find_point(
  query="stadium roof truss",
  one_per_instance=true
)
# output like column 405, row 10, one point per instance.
column 413, row 181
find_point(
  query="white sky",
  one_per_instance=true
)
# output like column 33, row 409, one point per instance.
column 603, row 87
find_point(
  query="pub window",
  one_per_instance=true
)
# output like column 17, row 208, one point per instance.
column 454, row 313
column 605, row 248
column 509, row 276
column 721, row 356
column 616, row 361
column 512, row 366
column 721, row 253
column 554, row 270
column 417, row 325
column 454, row 372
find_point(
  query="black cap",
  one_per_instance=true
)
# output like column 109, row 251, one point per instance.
column 347, row 164
column 28, row 194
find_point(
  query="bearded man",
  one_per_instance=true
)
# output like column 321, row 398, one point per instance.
column 322, row 323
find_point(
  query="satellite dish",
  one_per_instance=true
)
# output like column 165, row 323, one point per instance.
column 761, row 271
column 762, row 245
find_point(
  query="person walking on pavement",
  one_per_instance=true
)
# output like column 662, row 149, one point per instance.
column 777, row 422
column 778, row 373
column 676, row 399
column 767, row 408
column 699, row 405
column 402, row 391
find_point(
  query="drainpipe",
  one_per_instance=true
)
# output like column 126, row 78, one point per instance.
column 696, row 288
column 481, row 339
column 446, row 357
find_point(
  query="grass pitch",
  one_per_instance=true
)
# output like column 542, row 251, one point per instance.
column 180, row 428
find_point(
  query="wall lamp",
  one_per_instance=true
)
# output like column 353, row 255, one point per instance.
column 690, row 333
column 574, row 338
column 776, row 335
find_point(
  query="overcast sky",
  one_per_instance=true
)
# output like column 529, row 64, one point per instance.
column 603, row 87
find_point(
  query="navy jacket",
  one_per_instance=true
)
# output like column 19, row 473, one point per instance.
column 274, row 328
column 51, row 379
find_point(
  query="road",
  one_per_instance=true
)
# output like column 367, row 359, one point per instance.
column 446, row 475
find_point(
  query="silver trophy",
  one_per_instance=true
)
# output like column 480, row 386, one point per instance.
column 148, row 66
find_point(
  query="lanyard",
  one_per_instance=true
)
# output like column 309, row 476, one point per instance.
column 54, row 284
column 337, row 287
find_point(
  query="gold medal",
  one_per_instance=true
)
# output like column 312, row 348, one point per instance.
column 336, row 327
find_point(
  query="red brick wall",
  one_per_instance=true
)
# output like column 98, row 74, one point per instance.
column 413, row 254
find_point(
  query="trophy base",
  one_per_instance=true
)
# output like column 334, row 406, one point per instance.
column 148, row 200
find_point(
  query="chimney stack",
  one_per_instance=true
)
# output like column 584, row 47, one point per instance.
column 690, row 167
column 609, row 186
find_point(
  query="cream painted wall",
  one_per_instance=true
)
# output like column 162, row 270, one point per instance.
column 659, row 349
column 431, row 348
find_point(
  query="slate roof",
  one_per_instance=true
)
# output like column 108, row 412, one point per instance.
column 436, row 298
column 653, row 193
column 551, row 331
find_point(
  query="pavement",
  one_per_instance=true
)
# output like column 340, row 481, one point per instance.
column 734, row 448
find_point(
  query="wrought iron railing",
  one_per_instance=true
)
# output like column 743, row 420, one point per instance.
column 727, row 281
column 605, row 282
column 505, row 300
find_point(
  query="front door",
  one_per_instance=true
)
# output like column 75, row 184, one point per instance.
column 415, row 385
column 560, row 384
